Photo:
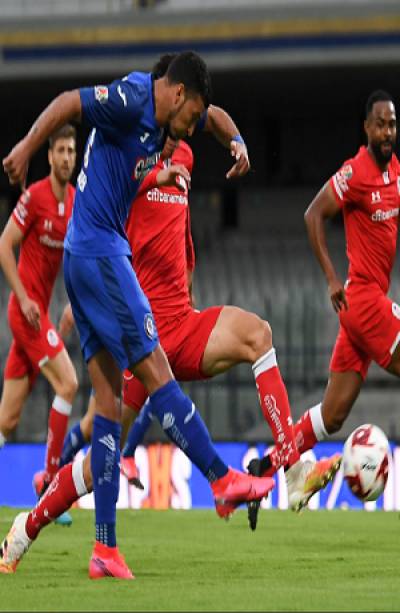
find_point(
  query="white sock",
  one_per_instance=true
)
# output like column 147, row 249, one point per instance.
column 77, row 476
column 318, row 422
column 3, row 440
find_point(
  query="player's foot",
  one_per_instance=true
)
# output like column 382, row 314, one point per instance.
column 236, row 488
column 39, row 484
column 304, row 479
column 253, row 468
column 131, row 472
column 14, row 545
column 108, row 562
column 64, row 519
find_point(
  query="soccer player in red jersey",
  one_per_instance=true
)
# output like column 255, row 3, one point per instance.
column 367, row 190
column 38, row 225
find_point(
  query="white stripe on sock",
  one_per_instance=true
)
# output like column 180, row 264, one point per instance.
column 317, row 422
column 62, row 406
column 265, row 362
column 77, row 476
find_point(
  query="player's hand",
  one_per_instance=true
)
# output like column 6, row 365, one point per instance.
column 174, row 176
column 338, row 295
column 16, row 164
column 242, row 164
column 31, row 311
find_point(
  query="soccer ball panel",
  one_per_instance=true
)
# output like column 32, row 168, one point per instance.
column 366, row 462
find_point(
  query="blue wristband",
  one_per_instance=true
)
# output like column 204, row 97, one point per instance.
column 238, row 139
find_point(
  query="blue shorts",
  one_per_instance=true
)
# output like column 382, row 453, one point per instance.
column 110, row 309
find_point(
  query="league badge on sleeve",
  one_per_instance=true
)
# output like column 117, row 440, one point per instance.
column 149, row 327
column 101, row 93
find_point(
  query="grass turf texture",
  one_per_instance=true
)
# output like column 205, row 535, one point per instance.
column 193, row 561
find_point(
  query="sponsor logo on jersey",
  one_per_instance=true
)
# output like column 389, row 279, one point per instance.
column 149, row 325
column 155, row 195
column 51, row 242
column 144, row 137
column 380, row 215
column 48, row 225
column 61, row 209
column 101, row 93
column 376, row 197
column 386, row 178
column 52, row 337
column 144, row 165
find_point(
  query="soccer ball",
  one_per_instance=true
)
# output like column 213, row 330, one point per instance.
column 366, row 462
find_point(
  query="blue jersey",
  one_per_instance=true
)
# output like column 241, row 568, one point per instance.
column 124, row 145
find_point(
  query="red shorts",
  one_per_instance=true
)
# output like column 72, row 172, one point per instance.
column 184, row 340
column 369, row 330
column 30, row 349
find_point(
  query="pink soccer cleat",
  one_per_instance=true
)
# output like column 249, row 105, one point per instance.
column 131, row 472
column 108, row 562
column 236, row 488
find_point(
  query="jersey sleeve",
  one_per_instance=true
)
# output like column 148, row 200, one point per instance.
column 114, row 106
column 190, row 253
column 24, row 213
column 346, row 185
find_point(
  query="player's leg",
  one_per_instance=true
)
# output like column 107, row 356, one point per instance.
column 79, row 435
column 239, row 336
column 18, row 380
column 14, row 395
column 60, row 373
column 348, row 369
column 136, row 410
column 70, row 483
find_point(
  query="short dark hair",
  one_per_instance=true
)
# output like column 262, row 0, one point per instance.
column 161, row 66
column 379, row 95
column 191, row 70
column 66, row 131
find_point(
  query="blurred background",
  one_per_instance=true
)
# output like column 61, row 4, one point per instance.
column 295, row 76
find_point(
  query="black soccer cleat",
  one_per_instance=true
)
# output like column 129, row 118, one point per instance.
column 253, row 468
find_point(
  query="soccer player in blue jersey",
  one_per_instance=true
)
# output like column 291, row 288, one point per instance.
column 131, row 119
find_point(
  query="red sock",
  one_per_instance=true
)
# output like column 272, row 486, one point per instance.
column 275, row 406
column 58, row 498
column 57, row 429
column 305, row 439
column 305, row 435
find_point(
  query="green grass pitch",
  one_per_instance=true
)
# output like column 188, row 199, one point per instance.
column 193, row 561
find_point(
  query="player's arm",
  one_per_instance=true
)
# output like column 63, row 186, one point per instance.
column 66, row 322
column 66, row 107
column 190, row 259
column 222, row 126
column 10, row 238
column 325, row 206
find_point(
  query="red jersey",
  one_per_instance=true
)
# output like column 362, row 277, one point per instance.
column 43, row 222
column 158, row 230
column 370, row 199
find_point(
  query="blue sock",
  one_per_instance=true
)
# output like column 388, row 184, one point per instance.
column 105, row 471
column 73, row 442
column 184, row 426
column 138, row 430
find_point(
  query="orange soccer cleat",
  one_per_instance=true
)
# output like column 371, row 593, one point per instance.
column 304, row 479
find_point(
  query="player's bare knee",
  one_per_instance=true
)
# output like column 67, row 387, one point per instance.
column 259, row 340
column 68, row 387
